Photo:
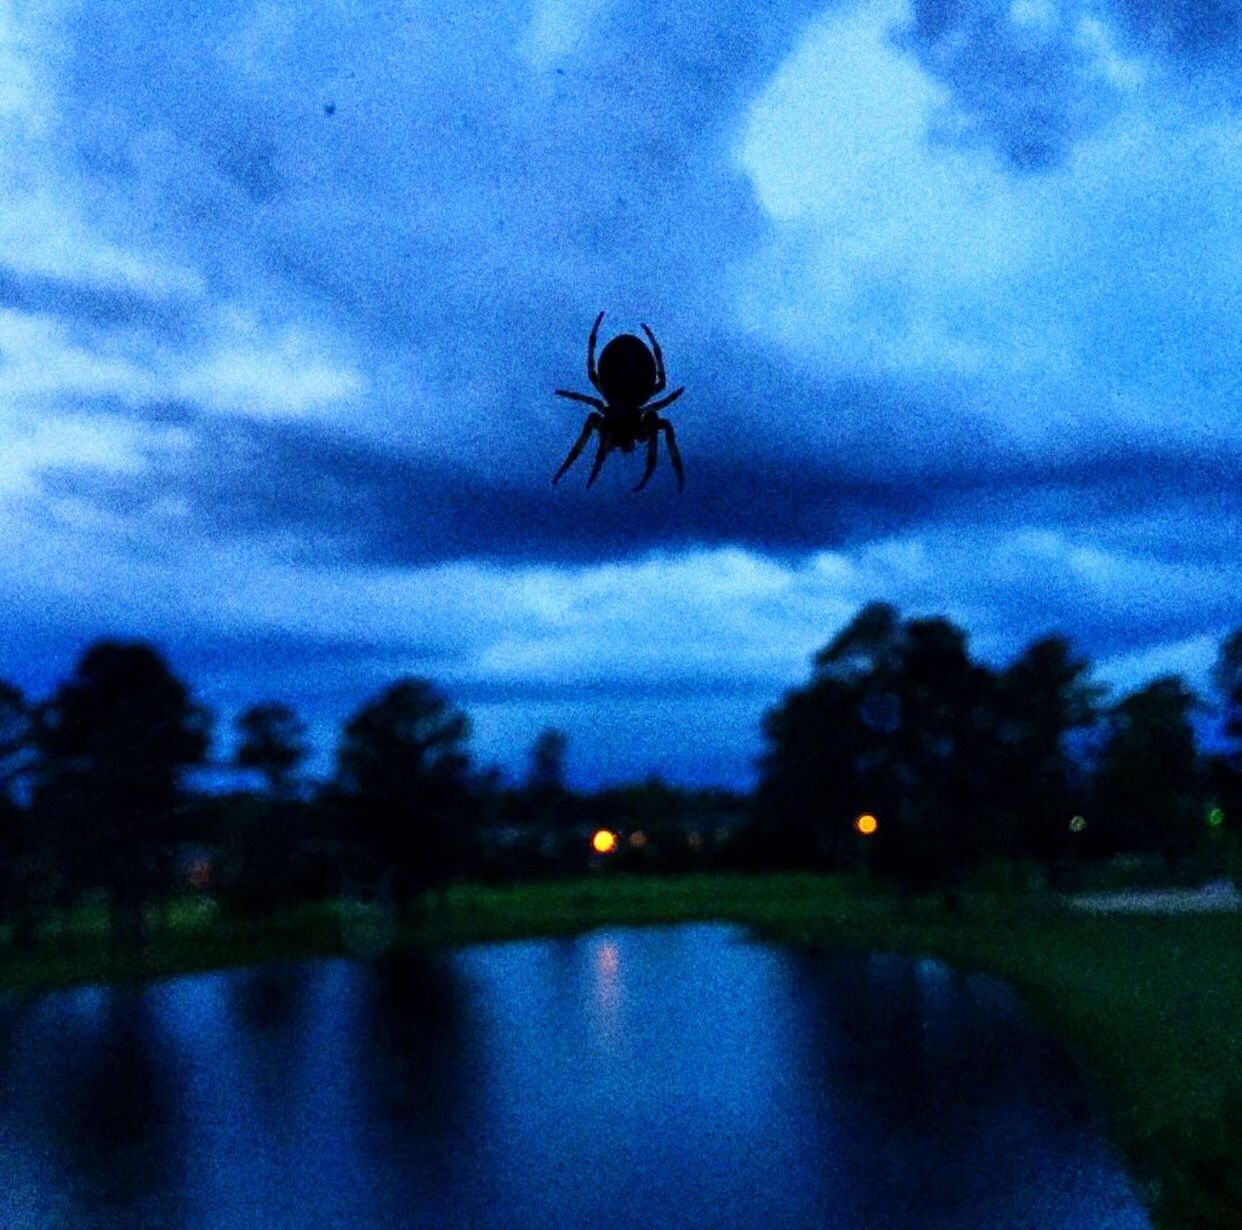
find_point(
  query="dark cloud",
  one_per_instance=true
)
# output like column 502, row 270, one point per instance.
column 1193, row 32
column 670, row 688
column 212, row 650
column 1029, row 84
column 365, row 504
column 96, row 307
column 455, row 176
column 1027, row 90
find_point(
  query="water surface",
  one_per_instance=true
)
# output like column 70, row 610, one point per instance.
column 670, row 1077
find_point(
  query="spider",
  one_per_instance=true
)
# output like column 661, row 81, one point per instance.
column 628, row 376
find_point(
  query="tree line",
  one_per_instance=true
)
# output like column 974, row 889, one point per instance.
column 958, row 762
column 94, row 796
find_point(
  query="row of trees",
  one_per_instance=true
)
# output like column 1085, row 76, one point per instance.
column 961, row 763
column 95, row 799
column 93, row 790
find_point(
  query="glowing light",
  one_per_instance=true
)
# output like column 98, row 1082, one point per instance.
column 1077, row 824
column 638, row 839
column 604, row 841
column 866, row 824
column 1216, row 817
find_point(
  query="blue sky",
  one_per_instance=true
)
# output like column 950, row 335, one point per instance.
column 954, row 288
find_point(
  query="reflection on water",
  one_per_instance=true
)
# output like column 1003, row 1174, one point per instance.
column 90, row 1112
column 667, row 1077
column 606, row 991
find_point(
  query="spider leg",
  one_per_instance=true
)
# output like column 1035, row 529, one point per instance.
column 592, row 370
column 605, row 447
column 593, row 422
column 670, row 438
column 652, row 444
column 659, row 358
column 665, row 401
column 582, row 397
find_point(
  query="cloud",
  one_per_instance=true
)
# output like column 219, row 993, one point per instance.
column 602, row 649
column 1030, row 78
column 1196, row 34
column 105, row 306
column 40, row 358
column 264, row 373
column 1090, row 309
column 1026, row 78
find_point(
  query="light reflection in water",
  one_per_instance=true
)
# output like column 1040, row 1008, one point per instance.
column 606, row 995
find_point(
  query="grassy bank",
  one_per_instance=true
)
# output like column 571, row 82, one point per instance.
column 1151, row 1007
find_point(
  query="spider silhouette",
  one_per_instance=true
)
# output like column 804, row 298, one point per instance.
column 628, row 376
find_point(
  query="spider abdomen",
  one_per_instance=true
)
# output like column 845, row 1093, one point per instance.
column 627, row 371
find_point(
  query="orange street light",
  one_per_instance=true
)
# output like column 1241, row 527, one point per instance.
column 866, row 824
column 604, row 841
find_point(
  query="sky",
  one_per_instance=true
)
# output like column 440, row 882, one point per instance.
column 954, row 288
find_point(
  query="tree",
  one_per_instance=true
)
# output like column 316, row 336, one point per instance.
column 113, row 744
column 896, row 722
column 14, row 739
column 1227, row 678
column 547, row 764
column 17, row 853
column 1043, row 696
column 1147, row 782
column 273, row 741
column 810, row 781
column 402, row 768
column 1226, row 769
column 866, row 648
column 265, row 842
column 934, row 771
column 543, row 802
column 821, row 745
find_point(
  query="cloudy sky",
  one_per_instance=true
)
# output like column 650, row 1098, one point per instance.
column 954, row 287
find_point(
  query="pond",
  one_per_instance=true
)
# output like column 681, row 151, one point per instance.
column 668, row 1077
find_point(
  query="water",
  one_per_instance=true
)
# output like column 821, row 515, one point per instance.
column 674, row 1077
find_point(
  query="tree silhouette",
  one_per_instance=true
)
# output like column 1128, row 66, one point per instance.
column 18, row 856
column 1043, row 696
column 273, row 741
column 543, row 802
column 957, row 761
column 402, row 768
column 865, row 650
column 1226, row 769
column 894, row 722
column 547, row 764
column 824, row 761
column 1227, row 679
column 113, row 743
column 936, row 765
column 1147, row 781
column 810, row 783
column 265, row 842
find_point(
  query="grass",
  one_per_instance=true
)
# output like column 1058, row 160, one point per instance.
column 1150, row 1007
